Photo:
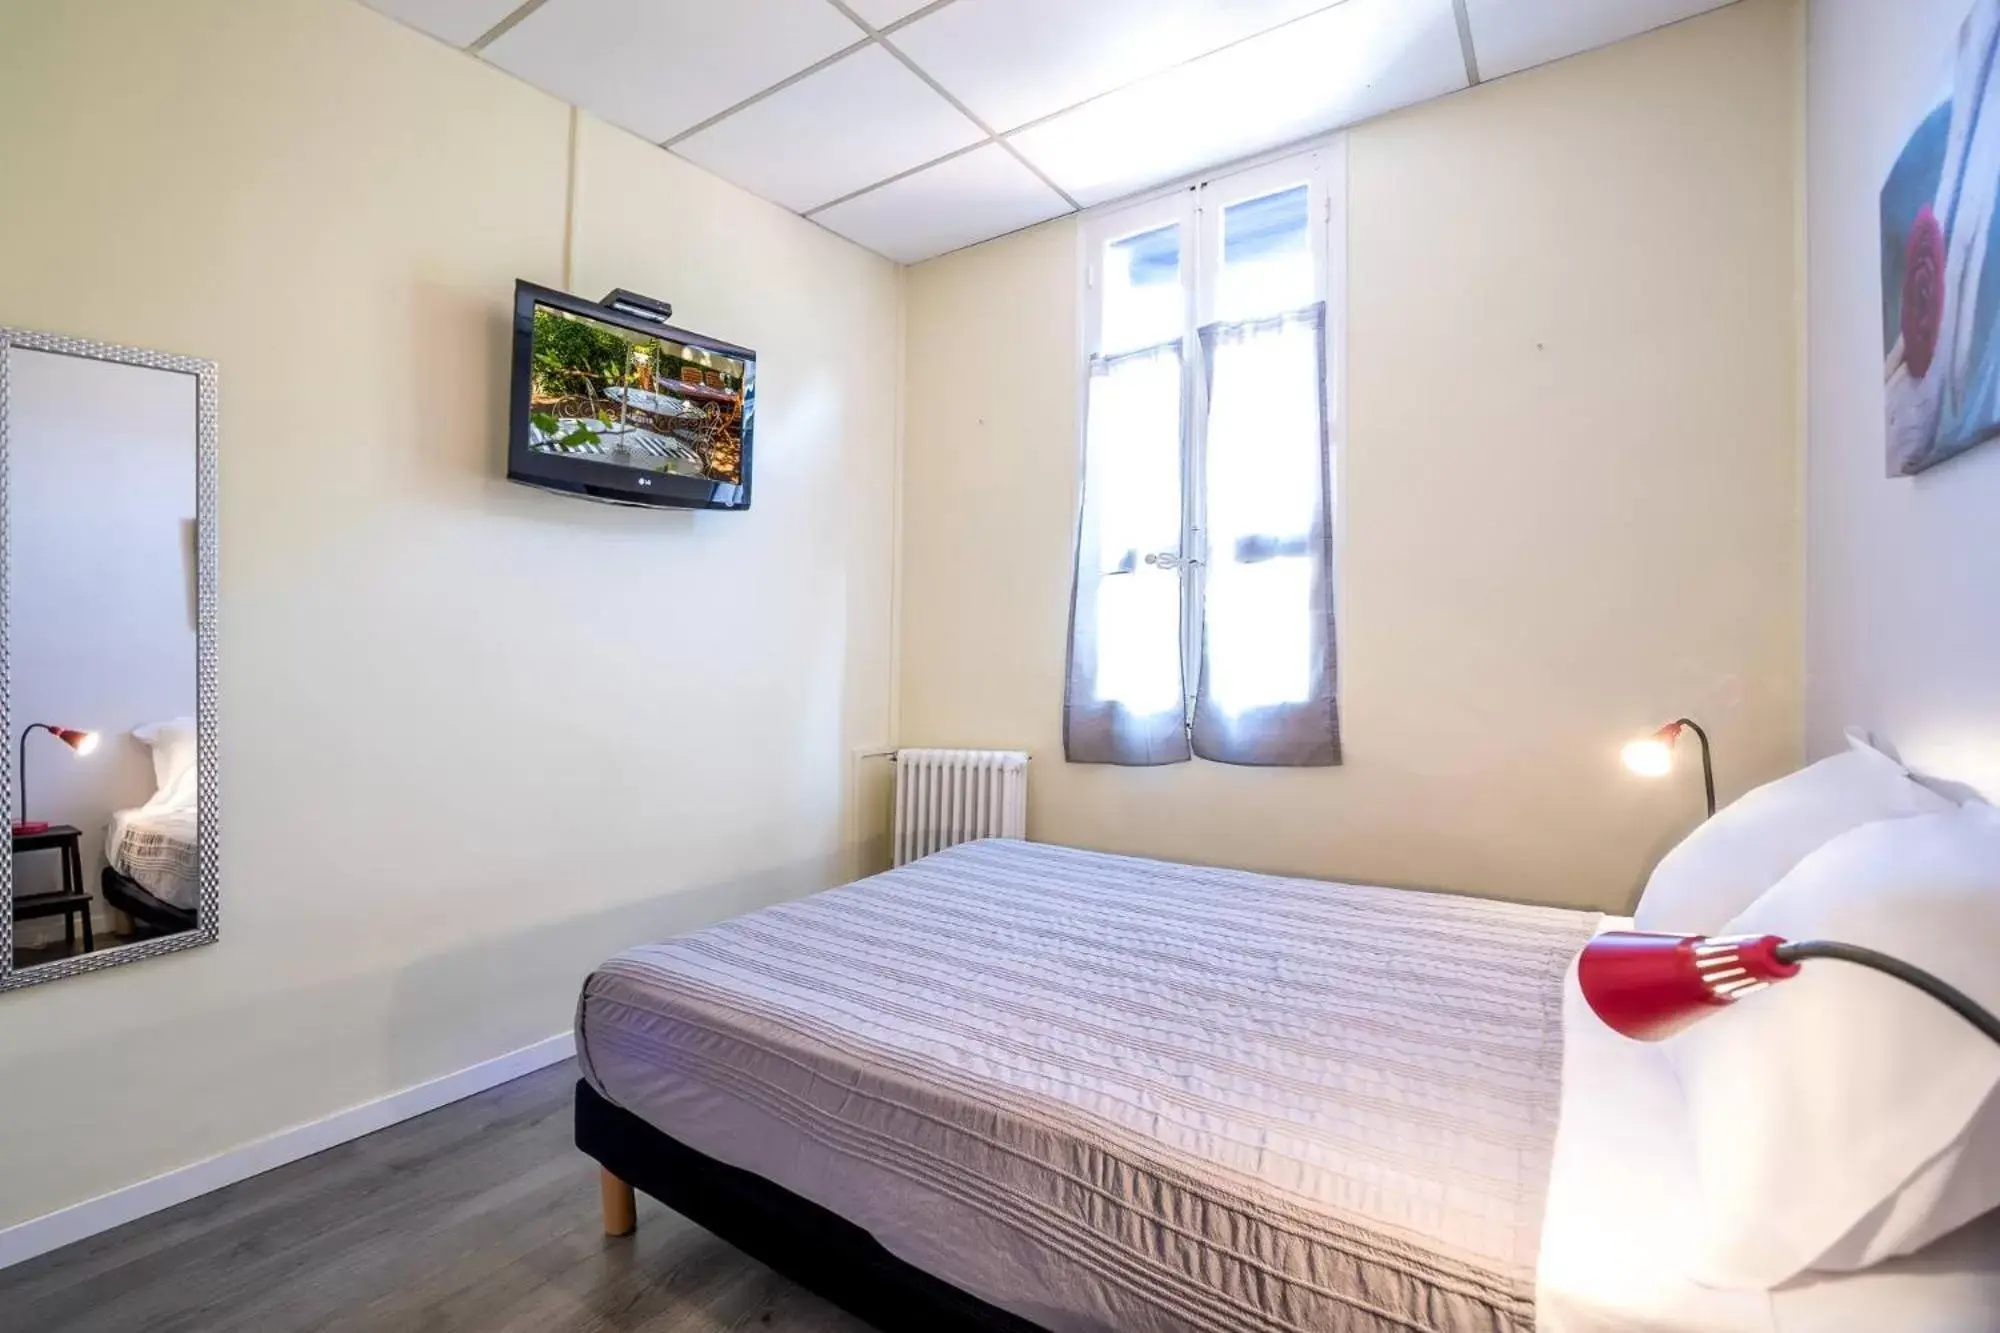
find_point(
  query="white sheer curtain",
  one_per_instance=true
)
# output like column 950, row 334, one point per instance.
column 1126, row 697
column 1268, row 691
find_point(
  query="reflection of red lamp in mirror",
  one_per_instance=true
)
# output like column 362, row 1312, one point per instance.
column 82, row 742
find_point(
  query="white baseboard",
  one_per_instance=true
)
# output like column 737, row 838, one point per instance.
column 38, row 1235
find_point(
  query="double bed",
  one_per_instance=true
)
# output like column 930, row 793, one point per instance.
column 152, row 853
column 1014, row 1086
column 152, row 868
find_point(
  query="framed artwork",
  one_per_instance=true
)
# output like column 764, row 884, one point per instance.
column 1940, row 295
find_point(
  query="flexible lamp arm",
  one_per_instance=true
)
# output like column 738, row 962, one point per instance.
column 21, row 769
column 1938, row 989
column 1707, row 764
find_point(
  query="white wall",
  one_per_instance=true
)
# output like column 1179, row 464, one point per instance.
column 100, row 616
column 1903, row 638
column 1571, row 486
column 475, row 737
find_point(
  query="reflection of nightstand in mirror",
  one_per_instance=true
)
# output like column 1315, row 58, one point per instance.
column 74, row 900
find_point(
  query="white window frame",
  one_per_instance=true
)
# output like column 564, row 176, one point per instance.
column 1197, row 207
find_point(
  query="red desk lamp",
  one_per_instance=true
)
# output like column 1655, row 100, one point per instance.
column 1653, row 756
column 1649, row 987
column 83, row 742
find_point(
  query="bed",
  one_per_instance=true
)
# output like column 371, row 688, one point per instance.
column 152, row 853
column 152, row 868
column 1014, row 1086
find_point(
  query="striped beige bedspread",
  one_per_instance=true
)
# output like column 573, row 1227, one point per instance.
column 1117, row 1094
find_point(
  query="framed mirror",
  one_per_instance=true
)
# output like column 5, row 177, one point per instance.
column 107, row 654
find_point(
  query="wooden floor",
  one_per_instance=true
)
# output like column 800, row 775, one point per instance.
column 481, row 1217
column 33, row 955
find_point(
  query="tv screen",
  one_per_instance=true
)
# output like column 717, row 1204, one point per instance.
column 612, row 404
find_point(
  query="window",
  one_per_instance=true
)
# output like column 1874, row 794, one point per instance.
column 1202, row 620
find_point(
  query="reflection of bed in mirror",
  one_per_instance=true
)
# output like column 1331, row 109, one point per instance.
column 152, row 853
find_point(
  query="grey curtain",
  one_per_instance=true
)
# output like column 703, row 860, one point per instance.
column 1268, row 692
column 1125, row 698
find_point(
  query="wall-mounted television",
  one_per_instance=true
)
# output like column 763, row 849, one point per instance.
column 613, row 403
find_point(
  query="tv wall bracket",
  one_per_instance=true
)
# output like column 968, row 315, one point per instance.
column 645, row 307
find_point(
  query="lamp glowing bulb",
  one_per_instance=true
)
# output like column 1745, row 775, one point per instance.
column 1650, row 758
column 83, row 742
column 1653, row 756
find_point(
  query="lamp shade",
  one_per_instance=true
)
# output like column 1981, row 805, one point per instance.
column 1653, row 756
column 83, row 742
column 1649, row 987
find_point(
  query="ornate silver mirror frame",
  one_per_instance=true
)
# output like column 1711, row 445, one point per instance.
column 207, row 523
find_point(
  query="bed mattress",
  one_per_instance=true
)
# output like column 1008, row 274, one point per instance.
column 1107, row 1093
column 158, row 848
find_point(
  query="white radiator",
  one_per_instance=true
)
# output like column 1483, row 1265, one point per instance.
column 945, row 797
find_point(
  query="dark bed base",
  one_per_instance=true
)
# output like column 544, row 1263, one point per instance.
column 131, row 898
column 818, row 1250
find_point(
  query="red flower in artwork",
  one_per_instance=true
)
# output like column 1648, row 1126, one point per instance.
column 1923, row 293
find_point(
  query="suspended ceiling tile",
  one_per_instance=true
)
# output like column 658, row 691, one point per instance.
column 1511, row 35
column 1013, row 61
column 973, row 197
column 1341, row 65
column 881, row 13
column 659, row 67
column 460, row 22
column 860, row 120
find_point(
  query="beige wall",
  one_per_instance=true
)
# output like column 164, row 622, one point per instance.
column 1903, row 640
column 1571, row 486
column 475, row 737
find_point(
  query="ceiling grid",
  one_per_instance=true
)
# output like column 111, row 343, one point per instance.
column 917, row 128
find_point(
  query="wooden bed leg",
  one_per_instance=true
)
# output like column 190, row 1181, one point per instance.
column 621, row 1210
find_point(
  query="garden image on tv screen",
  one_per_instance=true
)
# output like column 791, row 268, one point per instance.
column 635, row 400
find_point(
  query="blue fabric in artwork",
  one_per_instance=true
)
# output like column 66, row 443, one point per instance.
column 1942, row 374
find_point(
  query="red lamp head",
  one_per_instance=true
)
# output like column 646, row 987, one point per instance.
column 83, row 742
column 1649, row 987
column 1653, row 756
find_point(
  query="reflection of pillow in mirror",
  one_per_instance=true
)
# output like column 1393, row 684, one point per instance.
column 174, row 749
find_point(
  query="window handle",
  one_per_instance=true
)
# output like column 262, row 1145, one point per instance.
column 1171, row 560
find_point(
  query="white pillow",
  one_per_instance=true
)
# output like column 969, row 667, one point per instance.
column 1842, row 1117
column 1725, row 865
column 175, row 746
